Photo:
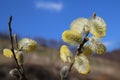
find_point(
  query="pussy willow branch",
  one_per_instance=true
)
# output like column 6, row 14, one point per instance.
column 12, row 48
column 12, row 44
column 24, row 77
column 21, row 66
column 79, row 51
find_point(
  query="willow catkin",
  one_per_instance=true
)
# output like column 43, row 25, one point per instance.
column 72, row 37
column 98, row 27
column 65, row 54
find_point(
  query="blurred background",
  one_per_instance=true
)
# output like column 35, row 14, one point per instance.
column 44, row 21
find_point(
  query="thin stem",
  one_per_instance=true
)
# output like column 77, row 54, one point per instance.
column 77, row 53
column 23, row 72
column 81, row 45
column 12, row 44
column 21, row 66
column 94, row 15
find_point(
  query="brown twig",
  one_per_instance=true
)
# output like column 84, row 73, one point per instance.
column 23, row 74
column 94, row 15
column 21, row 66
column 12, row 49
column 79, row 51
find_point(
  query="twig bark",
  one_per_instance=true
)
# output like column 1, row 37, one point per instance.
column 21, row 73
column 79, row 51
column 21, row 66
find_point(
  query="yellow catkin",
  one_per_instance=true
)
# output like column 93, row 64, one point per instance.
column 72, row 37
column 81, row 64
column 20, row 58
column 7, row 53
column 98, row 27
column 97, row 46
column 86, row 50
column 80, row 25
column 65, row 54
column 27, row 44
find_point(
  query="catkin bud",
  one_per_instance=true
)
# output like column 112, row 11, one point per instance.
column 27, row 44
column 97, row 46
column 20, row 57
column 65, row 54
column 80, row 25
column 72, row 37
column 81, row 64
column 64, row 72
column 14, row 73
column 98, row 27
column 86, row 50
column 7, row 53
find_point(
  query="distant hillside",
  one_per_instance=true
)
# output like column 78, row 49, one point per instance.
column 112, row 56
column 3, row 36
column 45, row 61
column 40, row 40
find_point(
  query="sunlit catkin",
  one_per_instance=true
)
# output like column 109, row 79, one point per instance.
column 80, row 25
column 97, row 46
column 86, row 50
column 27, row 44
column 81, row 64
column 7, row 53
column 98, row 27
column 65, row 54
column 72, row 37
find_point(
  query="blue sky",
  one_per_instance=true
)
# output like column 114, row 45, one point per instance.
column 49, row 18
